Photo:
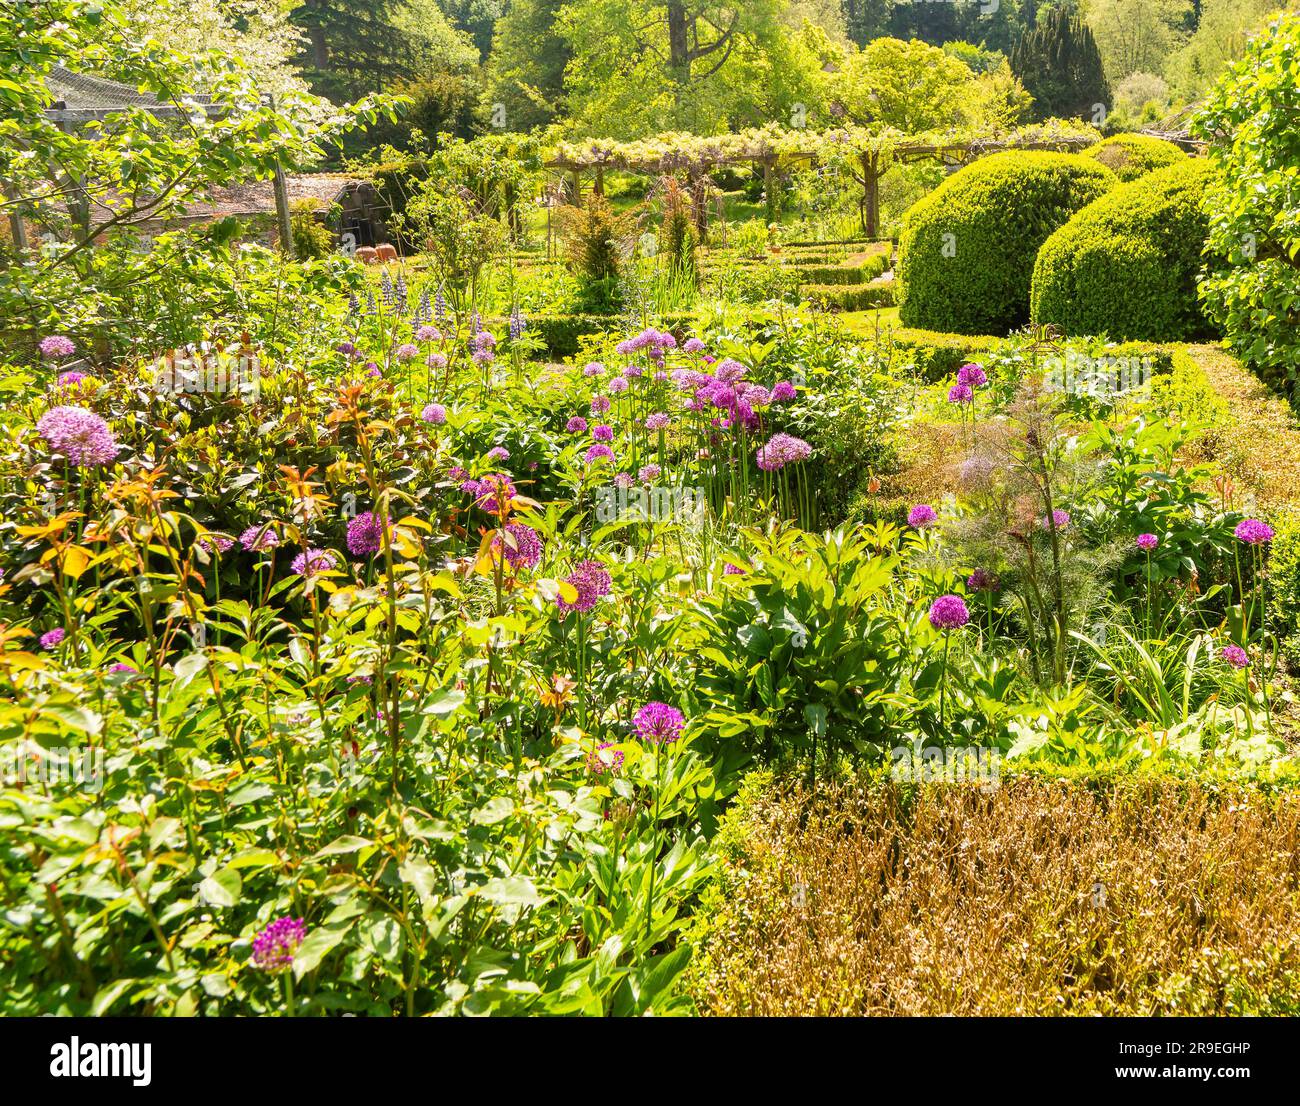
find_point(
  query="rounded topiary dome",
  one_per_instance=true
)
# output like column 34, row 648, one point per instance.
column 1130, row 156
column 966, row 251
column 1127, row 265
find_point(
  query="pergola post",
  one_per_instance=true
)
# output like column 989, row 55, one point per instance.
column 871, row 193
column 769, row 189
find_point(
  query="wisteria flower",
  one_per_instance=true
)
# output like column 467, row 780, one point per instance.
column 949, row 612
column 524, row 547
column 1253, row 532
column 314, row 561
column 434, row 413
column 1147, row 542
column 259, row 539
column 79, row 435
column 591, row 581
column 1235, row 655
column 658, row 723
column 921, row 516
column 274, row 947
column 52, row 638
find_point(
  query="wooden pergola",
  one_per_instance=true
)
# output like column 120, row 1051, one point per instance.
column 869, row 155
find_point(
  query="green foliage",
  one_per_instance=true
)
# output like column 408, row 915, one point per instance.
column 1127, row 264
column 590, row 233
column 909, row 86
column 311, row 237
column 1283, row 587
column 1130, row 156
column 1059, row 63
column 966, row 251
column 1252, row 287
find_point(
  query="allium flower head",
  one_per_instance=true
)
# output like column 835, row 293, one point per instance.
column 949, row 612
column 598, row 452
column 782, row 391
column 658, row 722
column 407, row 351
column 1147, row 542
column 434, row 413
column 492, row 492
column 616, row 385
column 524, row 549
column 692, row 345
column 79, row 435
column 649, row 473
column 57, row 345
column 972, row 375
column 436, row 360
column 366, row 534
column 498, row 453
column 274, row 947
column 69, row 379
column 51, row 638
column 593, row 368
column 657, row 421
column 1253, row 532
column 960, row 393
column 1235, row 655
column 215, row 543
column 781, row 450
column 729, row 371
column 599, row 404
column 576, row 425
column 981, row 580
column 605, row 759
column 591, row 581
column 602, row 433
column 314, row 561
column 258, row 539
column 921, row 516
column 123, row 669
column 428, row 334
column 1060, row 520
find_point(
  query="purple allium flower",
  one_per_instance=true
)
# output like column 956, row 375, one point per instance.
column 657, row 421
column 57, row 345
column 315, row 561
column 659, row 723
column 483, row 357
column 1060, row 520
column 593, row 368
column 729, row 371
column 69, row 379
column 605, row 760
column 949, row 612
column 729, row 569
column 631, row 372
column 524, row 549
column 1235, row 655
column 366, row 534
column 1147, row 542
column 972, row 375
column 599, row 404
column 407, row 352
column 498, row 453
column 492, row 492
column 975, row 471
column 980, row 580
column 215, row 543
column 258, row 539
column 51, row 638
column 623, row 480
column 436, row 361
column 598, row 451
column 960, row 393
column 921, row 516
column 576, row 425
column 616, row 385
column 591, row 581
column 346, row 348
column 649, row 473
column 692, row 345
column 602, row 433
column 1253, row 532
column 80, row 435
column 123, row 669
column 781, row 450
column 428, row 334
column 434, row 413
column 373, row 370
column 456, row 474
column 484, row 340
column 782, row 391
column 274, row 947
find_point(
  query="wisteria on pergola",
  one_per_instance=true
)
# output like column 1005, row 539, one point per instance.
column 867, row 154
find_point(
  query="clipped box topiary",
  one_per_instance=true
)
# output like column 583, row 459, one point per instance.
column 1130, row 156
column 1127, row 265
column 966, row 251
